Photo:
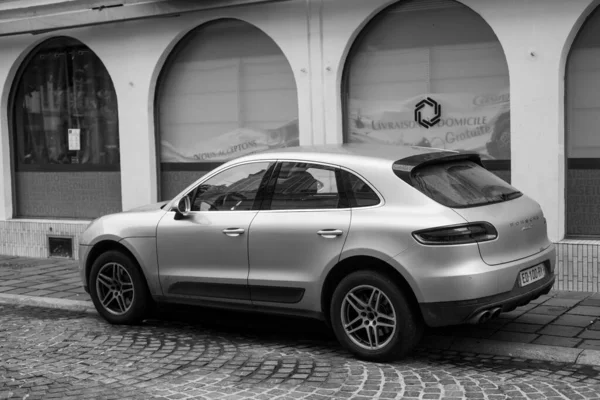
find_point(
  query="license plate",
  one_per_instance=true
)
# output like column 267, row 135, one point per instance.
column 532, row 274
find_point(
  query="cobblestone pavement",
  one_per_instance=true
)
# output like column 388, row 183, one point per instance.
column 60, row 354
column 564, row 319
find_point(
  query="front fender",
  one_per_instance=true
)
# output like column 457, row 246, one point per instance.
column 122, row 225
column 144, row 251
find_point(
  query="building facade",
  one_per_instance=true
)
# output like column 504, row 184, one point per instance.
column 109, row 105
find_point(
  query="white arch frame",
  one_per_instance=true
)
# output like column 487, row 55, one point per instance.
column 7, row 146
column 169, row 51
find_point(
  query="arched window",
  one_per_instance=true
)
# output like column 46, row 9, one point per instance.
column 430, row 73
column 65, row 133
column 226, row 90
column 582, row 138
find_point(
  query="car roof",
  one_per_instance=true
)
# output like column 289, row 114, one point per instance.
column 346, row 153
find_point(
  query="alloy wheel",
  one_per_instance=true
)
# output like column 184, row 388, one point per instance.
column 368, row 317
column 114, row 287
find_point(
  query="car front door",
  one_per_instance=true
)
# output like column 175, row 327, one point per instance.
column 300, row 231
column 205, row 253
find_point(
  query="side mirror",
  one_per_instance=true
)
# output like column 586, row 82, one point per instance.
column 183, row 207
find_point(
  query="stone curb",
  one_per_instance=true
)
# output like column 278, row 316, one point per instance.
column 464, row 345
column 48, row 302
column 525, row 351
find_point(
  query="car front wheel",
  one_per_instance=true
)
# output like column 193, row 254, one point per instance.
column 372, row 318
column 118, row 289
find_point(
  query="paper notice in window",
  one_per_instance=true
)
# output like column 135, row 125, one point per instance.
column 74, row 139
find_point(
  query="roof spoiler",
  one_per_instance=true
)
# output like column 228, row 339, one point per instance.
column 403, row 168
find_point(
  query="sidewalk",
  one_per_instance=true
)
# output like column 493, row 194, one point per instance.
column 561, row 326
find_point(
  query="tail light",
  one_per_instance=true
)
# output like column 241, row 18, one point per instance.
column 457, row 234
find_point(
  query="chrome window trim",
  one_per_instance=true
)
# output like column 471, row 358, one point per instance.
column 381, row 199
column 377, row 192
column 208, row 176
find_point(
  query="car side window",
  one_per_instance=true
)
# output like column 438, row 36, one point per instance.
column 305, row 186
column 234, row 189
column 359, row 193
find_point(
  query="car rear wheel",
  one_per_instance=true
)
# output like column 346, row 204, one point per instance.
column 372, row 318
column 118, row 289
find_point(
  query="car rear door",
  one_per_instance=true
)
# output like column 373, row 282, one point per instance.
column 300, row 230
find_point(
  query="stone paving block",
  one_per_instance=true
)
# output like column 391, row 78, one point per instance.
column 590, row 344
column 585, row 310
column 527, row 306
column 47, row 285
column 478, row 333
column 560, row 302
column 590, row 302
column 535, row 319
column 574, row 295
column 494, row 324
column 589, row 357
column 557, row 341
column 541, row 299
column 524, row 328
column 512, row 314
column 548, row 310
column 595, row 326
column 18, row 291
column 12, row 282
column 77, row 296
column 574, row 320
column 70, row 288
column 514, row 337
column 558, row 330
column 588, row 334
column 39, row 293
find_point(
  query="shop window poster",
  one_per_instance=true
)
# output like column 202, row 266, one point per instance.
column 474, row 122
column 236, row 143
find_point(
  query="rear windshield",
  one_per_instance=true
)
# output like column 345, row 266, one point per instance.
column 462, row 184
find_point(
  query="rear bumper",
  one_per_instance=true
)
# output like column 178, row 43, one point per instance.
column 458, row 312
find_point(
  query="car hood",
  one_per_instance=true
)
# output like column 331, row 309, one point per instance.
column 148, row 207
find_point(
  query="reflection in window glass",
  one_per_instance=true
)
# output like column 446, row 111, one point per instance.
column 462, row 184
column 234, row 189
column 228, row 90
column 429, row 73
column 305, row 186
column 65, row 108
column 360, row 194
column 582, row 139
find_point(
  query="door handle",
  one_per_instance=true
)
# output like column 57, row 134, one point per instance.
column 330, row 233
column 233, row 232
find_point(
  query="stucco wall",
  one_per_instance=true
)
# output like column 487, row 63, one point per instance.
column 315, row 36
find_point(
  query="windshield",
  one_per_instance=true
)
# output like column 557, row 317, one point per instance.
column 462, row 184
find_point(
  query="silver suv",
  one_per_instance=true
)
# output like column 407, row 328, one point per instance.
column 376, row 241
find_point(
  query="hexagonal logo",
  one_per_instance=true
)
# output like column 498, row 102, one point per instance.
column 437, row 113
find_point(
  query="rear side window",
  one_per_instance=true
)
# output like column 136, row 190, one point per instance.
column 359, row 193
column 462, row 184
column 305, row 186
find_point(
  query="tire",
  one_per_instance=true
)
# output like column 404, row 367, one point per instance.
column 134, row 302
column 392, row 342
